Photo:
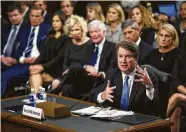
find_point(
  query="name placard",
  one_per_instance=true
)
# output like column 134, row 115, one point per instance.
column 33, row 112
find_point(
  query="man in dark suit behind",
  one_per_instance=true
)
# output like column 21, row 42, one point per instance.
column 28, row 50
column 131, row 32
column 129, row 87
column 9, row 38
column 85, row 77
column 43, row 5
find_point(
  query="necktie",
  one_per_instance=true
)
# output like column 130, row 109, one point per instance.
column 30, row 43
column 94, row 56
column 125, row 95
column 10, row 43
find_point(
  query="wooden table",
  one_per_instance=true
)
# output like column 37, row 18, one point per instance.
column 12, row 122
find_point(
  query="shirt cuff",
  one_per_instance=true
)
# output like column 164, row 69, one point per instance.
column 102, row 74
column 99, row 99
column 150, row 92
column 2, row 55
column 21, row 59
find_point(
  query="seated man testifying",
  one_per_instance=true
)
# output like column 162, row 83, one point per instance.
column 129, row 87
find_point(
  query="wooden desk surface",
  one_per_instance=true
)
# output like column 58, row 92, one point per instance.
column 45, row 126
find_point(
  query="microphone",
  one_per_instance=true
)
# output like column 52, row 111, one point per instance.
column 87, row 95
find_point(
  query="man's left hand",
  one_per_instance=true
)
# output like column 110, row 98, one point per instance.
column 143, row 77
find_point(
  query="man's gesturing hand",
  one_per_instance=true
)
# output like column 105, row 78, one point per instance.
column 107, row 94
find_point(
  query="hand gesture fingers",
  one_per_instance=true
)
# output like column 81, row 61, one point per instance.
column 143, row 76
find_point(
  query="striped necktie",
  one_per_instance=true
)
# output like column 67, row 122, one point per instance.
column 30, row 43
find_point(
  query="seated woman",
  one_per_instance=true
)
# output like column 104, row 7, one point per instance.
column 78, row 50
column 115, row 16
column 94, row 12
column 147, row 23
column 46, row 67
column 164, row 58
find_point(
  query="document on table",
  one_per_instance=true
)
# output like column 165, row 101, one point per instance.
column 88, row 111
column 112, row 114
column 100, row 112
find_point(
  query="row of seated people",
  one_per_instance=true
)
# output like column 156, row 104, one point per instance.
column 86, row 61
column 115, row 15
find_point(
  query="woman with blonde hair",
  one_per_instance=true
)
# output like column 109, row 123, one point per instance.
column 78, row 50
column 94, row 12
column 146, row 21
column 115, row 16
column 167, row 58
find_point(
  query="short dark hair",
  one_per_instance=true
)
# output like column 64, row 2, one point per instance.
column 129, row 22
column 129, row 45
column 38, row 8
column 44, row 1
column 72, row 3
column 14, row 7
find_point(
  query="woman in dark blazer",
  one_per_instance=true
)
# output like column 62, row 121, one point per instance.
column 46, row 67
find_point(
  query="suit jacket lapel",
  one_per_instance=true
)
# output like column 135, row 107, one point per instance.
column 103, row 53
column 119, row 86
column 134, row 91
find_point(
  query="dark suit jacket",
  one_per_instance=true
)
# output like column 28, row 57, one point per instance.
column 24, row 36
column 144, row 50
column 48, row 18
column 108, row 58
column 147, row 35
column 138, row 102
column 5, row 34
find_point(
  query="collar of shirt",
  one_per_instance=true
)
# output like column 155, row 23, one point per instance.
column 131, row 79
column 131, row 75
column 138, row 41
column 17, row 26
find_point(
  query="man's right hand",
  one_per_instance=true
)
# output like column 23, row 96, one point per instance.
column 107, row 94
column 8, row 61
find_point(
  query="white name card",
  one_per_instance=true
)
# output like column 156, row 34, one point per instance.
column 33, row 112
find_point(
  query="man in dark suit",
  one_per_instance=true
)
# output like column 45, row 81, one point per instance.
column 43, row 5
column 131, row 32
column 28, row 50
column 129, row 87
column 9, row 36
column 103, row 59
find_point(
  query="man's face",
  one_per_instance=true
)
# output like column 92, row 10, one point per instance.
column 183, row 11
column 67, row 8
column 131, row 34
column 96, row 35
column 126, row 60
column 36, row 17
column 15, row 17
column 40, row 4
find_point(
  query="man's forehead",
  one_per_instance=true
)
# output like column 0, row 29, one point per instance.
column 94, row 28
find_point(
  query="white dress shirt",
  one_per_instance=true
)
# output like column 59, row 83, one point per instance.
column 34, row 52
column 96, row 66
